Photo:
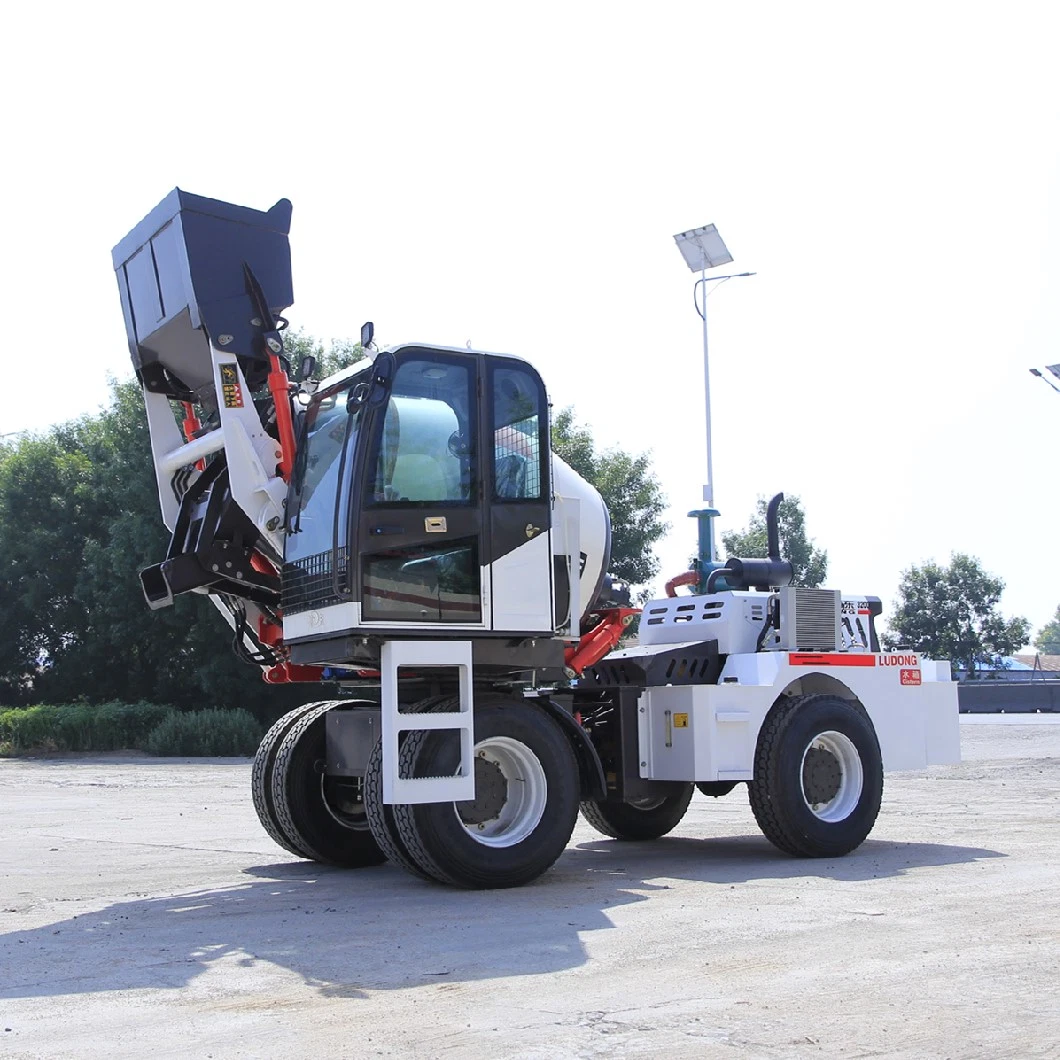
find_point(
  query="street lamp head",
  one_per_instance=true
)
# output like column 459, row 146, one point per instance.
column 1053, row 369
column 702, row 248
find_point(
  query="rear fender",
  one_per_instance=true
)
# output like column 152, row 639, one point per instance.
column 590, row 769
column 812, row 684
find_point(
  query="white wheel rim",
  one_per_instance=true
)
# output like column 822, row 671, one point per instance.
column 841, row 804
column 525, row 795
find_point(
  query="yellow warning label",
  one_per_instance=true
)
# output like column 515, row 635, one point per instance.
column 231, row 391
column 680, row 721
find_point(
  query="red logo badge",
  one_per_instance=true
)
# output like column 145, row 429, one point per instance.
column 910, row 677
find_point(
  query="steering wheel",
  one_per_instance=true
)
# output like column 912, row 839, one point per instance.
column 458, row 445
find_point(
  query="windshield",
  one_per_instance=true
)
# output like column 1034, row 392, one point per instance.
column 329, row 431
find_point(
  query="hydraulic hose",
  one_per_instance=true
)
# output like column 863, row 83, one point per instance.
column 688, row 577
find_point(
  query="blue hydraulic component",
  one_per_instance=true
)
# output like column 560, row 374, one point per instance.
column 762, row 575
column 705, row 561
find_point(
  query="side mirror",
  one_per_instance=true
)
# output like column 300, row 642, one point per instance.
column 367, row 334
column 309, row 366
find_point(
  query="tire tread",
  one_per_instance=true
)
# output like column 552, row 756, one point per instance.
column 777, row 820
column 383, row 824
column 261, row 779
column 466, row 875
column 620, row 820
column 360, row 854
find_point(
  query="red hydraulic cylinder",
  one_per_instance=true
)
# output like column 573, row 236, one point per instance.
column 279, row 388
column 601, row 639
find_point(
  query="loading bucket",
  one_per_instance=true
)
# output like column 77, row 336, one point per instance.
column 182, row 273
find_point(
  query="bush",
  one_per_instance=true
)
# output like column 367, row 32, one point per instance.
column 80, row 727
column 206, row 733
column 159, row 730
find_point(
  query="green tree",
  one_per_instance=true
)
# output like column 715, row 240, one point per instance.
column 47, row 510
column 809, row 562
column 951, row 613
column 628, row 487
column 1048, row 639
column 330, row 358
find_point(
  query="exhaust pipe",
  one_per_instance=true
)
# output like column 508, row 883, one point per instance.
column 760, row 574
column 772, row 527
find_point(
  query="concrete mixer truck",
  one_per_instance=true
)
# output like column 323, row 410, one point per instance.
column 402, row 531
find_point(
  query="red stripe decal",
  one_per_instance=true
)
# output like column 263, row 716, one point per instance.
column 820, row 658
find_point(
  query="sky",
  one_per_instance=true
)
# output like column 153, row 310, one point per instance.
column 513, row 175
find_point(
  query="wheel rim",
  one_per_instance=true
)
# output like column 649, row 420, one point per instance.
column 831, row 776
column 344, row 801
column 510, row 793
column 649, row 802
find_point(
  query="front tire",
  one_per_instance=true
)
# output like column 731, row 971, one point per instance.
column 818, row 776
column 527, row 789
column 323, row 815
column 261, row 778
column 640, row 819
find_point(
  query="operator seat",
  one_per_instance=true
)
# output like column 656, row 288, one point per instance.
column 418, row 477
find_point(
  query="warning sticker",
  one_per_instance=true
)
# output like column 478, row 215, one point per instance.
column 680, row 721
column 231, row 391
column 910, row 677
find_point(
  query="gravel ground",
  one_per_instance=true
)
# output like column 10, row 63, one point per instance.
column 143, row 912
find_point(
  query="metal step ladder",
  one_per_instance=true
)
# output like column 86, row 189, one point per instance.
column 420, row 653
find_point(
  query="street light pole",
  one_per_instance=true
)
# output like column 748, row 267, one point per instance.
column 704, row 249
column 708, row 487
column 701, row 283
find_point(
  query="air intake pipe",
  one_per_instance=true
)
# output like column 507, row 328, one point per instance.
column 762, row 574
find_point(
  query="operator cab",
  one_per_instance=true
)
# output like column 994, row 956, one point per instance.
column 421, row 500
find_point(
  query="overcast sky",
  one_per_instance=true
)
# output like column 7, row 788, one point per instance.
column 513, row 176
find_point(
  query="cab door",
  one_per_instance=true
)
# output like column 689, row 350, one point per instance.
column 519, row 498
column 420, row 537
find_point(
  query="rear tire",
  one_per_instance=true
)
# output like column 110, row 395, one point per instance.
column 818, row 776
column 261, row 778
column 639, row 820
column 716, row 789
column 323, row 815
column 527, row 790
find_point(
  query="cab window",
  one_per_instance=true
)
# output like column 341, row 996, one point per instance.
column 425, row 453
column 519, row 423
column 424, row 583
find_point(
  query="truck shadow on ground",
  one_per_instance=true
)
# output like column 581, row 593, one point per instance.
column 345, row 933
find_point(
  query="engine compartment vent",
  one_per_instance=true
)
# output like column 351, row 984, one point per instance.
column 648, row 667
column 810, row 619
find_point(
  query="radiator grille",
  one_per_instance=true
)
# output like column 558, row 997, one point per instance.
column 311, row 582
column 811, row 619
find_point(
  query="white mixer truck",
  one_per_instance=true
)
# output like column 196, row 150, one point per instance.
column 402, row 530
